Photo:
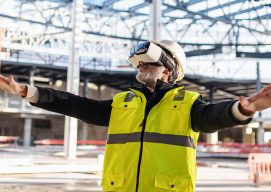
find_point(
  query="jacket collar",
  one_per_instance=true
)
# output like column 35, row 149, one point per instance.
column 160, row 89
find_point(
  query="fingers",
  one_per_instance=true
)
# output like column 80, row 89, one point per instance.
column 3, row 79
column 246, row 107
column 7, row 84
column 12, row 81
column 243, row 101
column 266, row 89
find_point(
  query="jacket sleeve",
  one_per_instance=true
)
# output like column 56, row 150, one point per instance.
column 91, row 111
column 209, row 118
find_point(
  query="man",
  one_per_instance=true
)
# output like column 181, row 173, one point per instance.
column 153, row 129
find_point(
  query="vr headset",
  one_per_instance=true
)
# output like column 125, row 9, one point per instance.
column 149, row 52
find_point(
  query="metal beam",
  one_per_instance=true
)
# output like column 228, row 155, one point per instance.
column 265, row 55
column 260, row 130
column 155, row 20
column 240, row 12
column 267, row 16
column 213, row 51
column 109, row 2
column 221, row 6
column 93, row 6
column 192, row 2
column 139, row 6
column 73, row 80
column 60, row 1
column 167, row 10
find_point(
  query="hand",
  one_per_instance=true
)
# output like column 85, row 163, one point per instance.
column 9, row 85
column 257, row 102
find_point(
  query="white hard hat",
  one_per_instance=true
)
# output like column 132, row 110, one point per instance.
column 178, row 56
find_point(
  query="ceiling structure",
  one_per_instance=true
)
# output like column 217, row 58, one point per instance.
column 36, row 35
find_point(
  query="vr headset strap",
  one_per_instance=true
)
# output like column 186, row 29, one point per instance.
column 167, row 63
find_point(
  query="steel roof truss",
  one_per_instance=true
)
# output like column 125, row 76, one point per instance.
column 221, row 19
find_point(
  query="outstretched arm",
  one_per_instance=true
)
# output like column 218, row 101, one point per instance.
column 88, row 110
column 91, row 111
column 209, row 118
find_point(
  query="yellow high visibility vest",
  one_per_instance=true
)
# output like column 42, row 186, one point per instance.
column 156, row 153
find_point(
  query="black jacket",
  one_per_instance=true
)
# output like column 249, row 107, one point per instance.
column 206, row 118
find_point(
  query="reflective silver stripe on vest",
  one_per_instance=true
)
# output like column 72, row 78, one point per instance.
column 123, row 138
column 179, row 140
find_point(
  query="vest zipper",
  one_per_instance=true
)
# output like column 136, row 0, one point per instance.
column 140, row 152
column 148, row 108
column 143, row 124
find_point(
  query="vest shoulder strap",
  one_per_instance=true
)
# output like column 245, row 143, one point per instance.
column 180, row 96
column 129, row 96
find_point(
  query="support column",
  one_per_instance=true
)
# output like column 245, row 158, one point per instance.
column 84, row 132
column 27, row 132
column 212, row 137
column 31, row 82
column 260, row 130
column 1, row 39
column 73, row 78
column 155, row 19
column 28, row 121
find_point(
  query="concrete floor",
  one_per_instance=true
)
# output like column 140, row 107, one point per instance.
column 209, row 180
column 44, row 170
